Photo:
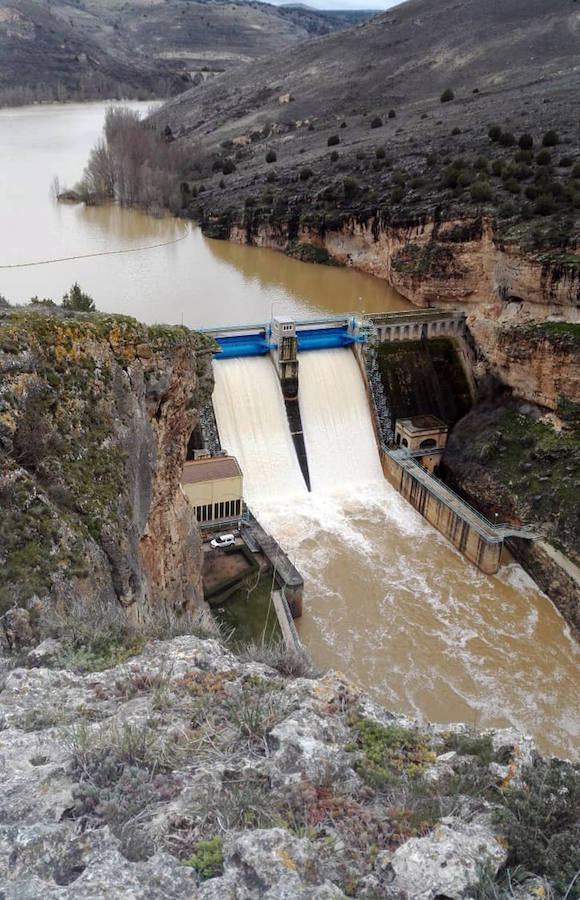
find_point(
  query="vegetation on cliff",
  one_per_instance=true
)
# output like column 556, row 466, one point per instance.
column 67, row 445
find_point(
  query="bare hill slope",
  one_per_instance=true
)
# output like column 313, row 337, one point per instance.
column 55, row 48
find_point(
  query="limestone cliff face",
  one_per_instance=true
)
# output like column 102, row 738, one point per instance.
column 462, row 264
column 95, row 414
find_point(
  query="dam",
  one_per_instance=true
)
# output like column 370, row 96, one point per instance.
column 387, row 598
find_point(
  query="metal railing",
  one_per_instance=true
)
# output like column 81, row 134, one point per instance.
column 489, row 530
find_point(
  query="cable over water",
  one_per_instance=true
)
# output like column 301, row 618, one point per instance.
column 47, row 262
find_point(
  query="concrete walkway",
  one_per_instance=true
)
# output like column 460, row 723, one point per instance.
column 491, row 532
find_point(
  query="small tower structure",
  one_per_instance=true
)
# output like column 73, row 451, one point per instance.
column 286, row 354
column 423, row 436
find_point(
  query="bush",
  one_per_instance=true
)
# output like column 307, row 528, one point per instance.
column 271, row 156
column 455, row 132
column 550, row 138
column 506, row 139
column 512, row 186
column 377, row 122
column 334, row 156
column 565, row 162
column 493, row 132
column 480, row 191
column 306, row 173
column 380, row 153
column 543, row 158
column 526, row 142
column 78, row 300
column 392, row 114
column 480, row 164
column 333, row 140
column 431, row 159
column 343, row 125
column 271, row 177
column 249, row 202
column 544, row 205
column 576, row 171
column 497, row 167
column 208, row 858
column 523, row 156
column 531, row 192
column 447, row 95
column 538, row 818
column 350, row 188
column 228, row 167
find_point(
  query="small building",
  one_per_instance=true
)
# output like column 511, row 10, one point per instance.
column 422, row 433
column 214, row 487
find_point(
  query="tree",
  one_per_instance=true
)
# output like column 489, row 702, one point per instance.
column 76, row 299
column 271, row 156
column 447, row 95
column 526, row 142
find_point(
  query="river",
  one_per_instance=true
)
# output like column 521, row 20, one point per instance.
column 387, row 598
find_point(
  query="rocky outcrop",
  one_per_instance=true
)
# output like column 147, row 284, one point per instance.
column 186, row 772
column 95, row 415
column 460, row 263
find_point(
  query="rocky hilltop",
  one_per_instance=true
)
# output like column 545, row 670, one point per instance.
column 95, row 415
column 186, row 772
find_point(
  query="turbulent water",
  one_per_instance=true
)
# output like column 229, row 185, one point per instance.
column 387, row 598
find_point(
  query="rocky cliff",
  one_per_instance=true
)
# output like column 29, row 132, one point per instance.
column 95, row 415
column 188, row 773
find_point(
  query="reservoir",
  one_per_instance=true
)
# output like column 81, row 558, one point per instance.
column 387, row 599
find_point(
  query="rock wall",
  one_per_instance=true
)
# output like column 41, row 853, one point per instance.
column 459, row 263
column 95, row 415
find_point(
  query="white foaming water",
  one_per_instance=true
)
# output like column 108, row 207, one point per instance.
column 252, row 423
column 387, row 598
column 336, row 419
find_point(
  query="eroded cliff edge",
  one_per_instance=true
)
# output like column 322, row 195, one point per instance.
column 95, row 414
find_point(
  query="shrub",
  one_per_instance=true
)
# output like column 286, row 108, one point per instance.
column 208, row 858
column 249, row 202
column 392, row 114
column 576, row 171
column 538, row 818
column 565, row 162
column 493, row 132
column 507, row 139
column 350, row 188
column 455, row 132
column 343, row 125
column 431, row 159
column 306, row 173
column 512, row 186
column 222, row 184
column 76, row 299
column 333, row 140
column 544, row 205
column 271, row 177
column 293, row 663
column 334, row 156
column 377, row 122
column 480, row 164
column 447, row 95
column 228, row 167
column 550, row 138
column 397, row 194
column 267, row 198
column 523, row 156
column 271, row 156
column 526, row 142
column 531, row 192
column 497, row 167
column 543, row 158
column 380, row 153
column 480, row 191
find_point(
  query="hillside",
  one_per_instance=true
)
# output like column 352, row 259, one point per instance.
column 53, row 49
column 365, row 131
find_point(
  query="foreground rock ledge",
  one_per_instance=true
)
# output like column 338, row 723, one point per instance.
column 111, row 779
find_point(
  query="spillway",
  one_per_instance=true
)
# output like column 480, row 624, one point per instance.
column 387, row 599
column 252, row 423
column 336, row 419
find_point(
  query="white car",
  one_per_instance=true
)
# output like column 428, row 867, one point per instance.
column 223, row 540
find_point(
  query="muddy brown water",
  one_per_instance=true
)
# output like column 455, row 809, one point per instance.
column 387, row 599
